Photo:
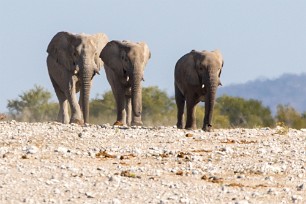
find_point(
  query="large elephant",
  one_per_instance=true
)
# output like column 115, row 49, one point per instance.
column 124, row 64
column 197, row 76
column 73, row 60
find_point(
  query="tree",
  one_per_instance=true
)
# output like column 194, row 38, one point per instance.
column 33, row 106
column 157, row 108
column 103, row 110
column 245, row 113
column 290, row 117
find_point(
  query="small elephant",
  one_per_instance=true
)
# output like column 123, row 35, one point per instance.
column 197, row 76
column 124, row 64
column 73, row 60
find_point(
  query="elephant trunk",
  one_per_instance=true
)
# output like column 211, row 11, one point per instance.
column 85, row 91
column 136, row 98
column 211, row 83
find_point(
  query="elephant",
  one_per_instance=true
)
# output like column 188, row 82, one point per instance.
column 124, row 64
column 196, row 78
column 73, row 60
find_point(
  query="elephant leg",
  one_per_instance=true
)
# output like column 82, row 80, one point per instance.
column 76, row 113
column 81, row 95
column 191, row 118
column 121, row 113
column 63, row 115
column 128, row 108
column 180, row 104
column 119, row 95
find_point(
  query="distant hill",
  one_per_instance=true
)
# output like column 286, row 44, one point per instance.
column 288, row 89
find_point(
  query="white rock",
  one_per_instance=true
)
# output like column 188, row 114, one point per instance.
column 32, row 149
column 90, row 194
column 61, row 150
column 57, row 191
column 116, row 201
column 242, row 202
column 296, row 198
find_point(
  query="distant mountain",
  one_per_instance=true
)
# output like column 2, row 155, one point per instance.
column 288, row 89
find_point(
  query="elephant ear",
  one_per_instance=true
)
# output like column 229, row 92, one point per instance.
column 146, row 53
column 114, row 55
column 191, row 64
column 221, row 61
column 219, row 57
column 59, row 49
column 100, row 40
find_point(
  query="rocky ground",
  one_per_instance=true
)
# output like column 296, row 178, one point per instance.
column 57, row 163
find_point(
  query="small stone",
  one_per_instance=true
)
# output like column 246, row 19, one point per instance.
column 300, row 187
column 116, row 201
column 189, row 135
column 195, row 172
column 287, row 190
column 32, row 150
column 269, row 178
column 115, row 179
column 89, row 195
column 296, row 198
column 57, row 191
column 61, row 150
column 270, row 191
column 242, row 202
column 255, row 194
column 184, row 200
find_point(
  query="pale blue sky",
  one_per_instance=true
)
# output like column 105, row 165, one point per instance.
column 257, row 38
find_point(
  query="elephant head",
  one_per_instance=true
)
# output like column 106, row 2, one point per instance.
column 128, row 60
column 78, row 54
column 206, row 73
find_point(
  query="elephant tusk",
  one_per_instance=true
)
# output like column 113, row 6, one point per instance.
column 203, row 86
column 75, row 71
column 128, row 78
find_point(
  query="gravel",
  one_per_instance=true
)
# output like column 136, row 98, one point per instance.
column 58, row 163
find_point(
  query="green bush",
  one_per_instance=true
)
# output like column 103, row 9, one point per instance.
column 33, row 106
column 290, row 117
column 158, row 109
column 245, row 113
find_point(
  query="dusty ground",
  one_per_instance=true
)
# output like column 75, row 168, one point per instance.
column 57, row 163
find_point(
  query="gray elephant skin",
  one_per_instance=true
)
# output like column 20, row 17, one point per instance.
column 124, row 64
column 73, row 60
column 197, row 77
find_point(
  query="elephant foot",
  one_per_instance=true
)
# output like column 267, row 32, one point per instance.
column 179, row 126
column 136, row 123
column 77, row 121
column 192, row 127
column 207, row 128
column 118, row 123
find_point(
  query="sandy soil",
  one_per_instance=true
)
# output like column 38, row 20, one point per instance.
column 57, row 163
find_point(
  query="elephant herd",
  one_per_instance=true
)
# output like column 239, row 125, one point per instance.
column 74, row 59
